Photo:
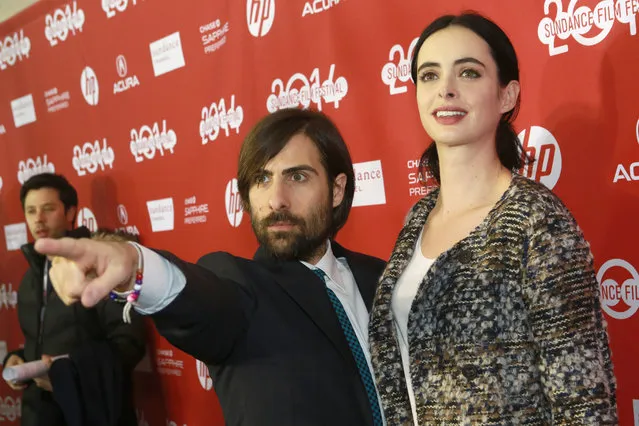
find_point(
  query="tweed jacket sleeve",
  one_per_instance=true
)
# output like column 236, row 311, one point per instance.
column 561, row 292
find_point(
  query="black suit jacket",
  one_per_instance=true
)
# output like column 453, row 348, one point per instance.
column 271, row 339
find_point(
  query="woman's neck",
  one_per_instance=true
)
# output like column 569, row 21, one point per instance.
column 471, row 177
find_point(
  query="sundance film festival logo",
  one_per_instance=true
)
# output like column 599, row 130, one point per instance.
column 259, row 16
column 619, row 288
column 63, row 22
column 203, row 375
column 161, row 214
column 125, row 82
column 111, row 7
column 217, row 117
column 586, row 26
column 10, row 409
column 91, row 157
column 15, row 235
column 151, row 139
column 87, row 218
column 15, row 47
column 167, row 54
column 90, row 87
column 369, row 184
column 233, row 203
column 541, row 145
column 304, row 91
column 23, row 110
column 396, row 73
column 30, row 167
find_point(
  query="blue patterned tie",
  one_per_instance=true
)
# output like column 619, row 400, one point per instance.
column 356, row 349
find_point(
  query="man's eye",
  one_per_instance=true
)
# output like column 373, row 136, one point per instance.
column 261, row 179
column 298, row 177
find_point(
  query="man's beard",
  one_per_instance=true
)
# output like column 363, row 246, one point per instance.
column 302, row 242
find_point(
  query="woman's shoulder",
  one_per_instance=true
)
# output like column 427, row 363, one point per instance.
column 423, row 205
column 537, row 196
column 538, row 202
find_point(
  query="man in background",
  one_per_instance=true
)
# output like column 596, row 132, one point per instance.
column 52, row 328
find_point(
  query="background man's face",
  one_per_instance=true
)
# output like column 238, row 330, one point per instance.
column 45, row 214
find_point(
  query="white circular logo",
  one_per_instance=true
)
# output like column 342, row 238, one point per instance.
column 259, row 16
column 120, row 65
column 123, row 217
column 89, row 84
column 612, row 292
column 541, row 145
column 87, row 218
column 233, row 202
column 203, row 375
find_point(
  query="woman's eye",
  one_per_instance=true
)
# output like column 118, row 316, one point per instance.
column 427, row 76
column 470, row 73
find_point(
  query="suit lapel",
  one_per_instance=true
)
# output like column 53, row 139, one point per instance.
column 309, row 292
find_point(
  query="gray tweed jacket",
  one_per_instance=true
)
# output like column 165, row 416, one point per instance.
column 506, row 327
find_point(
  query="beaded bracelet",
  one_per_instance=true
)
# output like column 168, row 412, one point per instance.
column 131, row 297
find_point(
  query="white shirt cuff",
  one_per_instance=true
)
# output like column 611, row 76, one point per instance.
column 161, row 284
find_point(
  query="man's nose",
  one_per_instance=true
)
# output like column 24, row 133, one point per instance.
column 40, row 216
column 278, row 196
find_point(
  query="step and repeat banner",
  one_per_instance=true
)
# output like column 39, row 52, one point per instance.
column 143, row 105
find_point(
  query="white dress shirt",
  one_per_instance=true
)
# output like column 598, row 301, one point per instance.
column 163, row 281
column 403, row 296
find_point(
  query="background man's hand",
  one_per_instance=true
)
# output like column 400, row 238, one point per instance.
column 12, row 361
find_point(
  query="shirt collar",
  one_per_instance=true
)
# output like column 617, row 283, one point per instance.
column 329, row 265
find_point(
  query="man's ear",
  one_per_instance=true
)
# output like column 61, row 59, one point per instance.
column 339, row 188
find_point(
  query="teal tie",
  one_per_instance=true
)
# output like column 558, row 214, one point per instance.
column 356, row 349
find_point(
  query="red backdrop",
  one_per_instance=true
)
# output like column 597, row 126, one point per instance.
column 143, row 105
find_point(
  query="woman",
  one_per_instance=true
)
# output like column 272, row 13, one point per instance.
column 488, row 310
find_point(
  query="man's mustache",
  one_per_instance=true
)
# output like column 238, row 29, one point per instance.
column 282, row 217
